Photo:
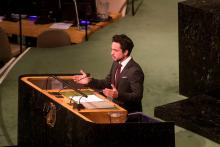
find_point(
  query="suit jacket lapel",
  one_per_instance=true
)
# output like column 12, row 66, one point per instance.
column 129, row 64
column 114, row 68
column 125, row 70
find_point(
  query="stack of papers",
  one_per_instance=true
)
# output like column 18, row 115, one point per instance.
column 92, row 102
column 61, row 25
column 90, row 98
column 1, row 18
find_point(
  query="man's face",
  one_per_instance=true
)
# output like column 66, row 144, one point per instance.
column 117, row 54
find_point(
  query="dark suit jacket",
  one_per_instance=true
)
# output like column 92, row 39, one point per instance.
column 130, row 86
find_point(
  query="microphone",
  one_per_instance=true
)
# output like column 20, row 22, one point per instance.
column 77, row 15
column 78, row 105
column 69, row 85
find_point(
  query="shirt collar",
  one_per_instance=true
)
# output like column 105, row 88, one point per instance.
column 125, row 62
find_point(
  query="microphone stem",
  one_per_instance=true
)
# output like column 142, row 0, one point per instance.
column 67, row 84
column 77, row 15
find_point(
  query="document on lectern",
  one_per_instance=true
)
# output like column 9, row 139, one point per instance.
column 89, row 98
column 92, row 102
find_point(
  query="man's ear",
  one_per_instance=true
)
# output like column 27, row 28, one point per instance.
column 126, row 53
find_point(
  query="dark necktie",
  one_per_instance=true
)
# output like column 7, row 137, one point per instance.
column 117, row 74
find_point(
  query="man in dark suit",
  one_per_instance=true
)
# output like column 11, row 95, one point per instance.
column 124, row 83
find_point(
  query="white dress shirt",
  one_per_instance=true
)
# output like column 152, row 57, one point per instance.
column 125, row 62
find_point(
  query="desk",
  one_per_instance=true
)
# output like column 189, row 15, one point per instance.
column 30, row 29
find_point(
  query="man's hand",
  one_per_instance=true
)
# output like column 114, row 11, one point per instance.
column 81, row 79
column 113, row 93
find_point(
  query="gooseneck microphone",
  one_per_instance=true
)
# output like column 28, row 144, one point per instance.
column 77, row 105
column 69, row 85
column 77, row 15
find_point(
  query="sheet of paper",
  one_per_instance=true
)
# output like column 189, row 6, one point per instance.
column 90, row 98
column 1, row 18
column 61, row 25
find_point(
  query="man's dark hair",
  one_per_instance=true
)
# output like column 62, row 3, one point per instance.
column 125, row 42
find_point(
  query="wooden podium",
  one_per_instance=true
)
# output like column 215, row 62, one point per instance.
column 47, row 116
